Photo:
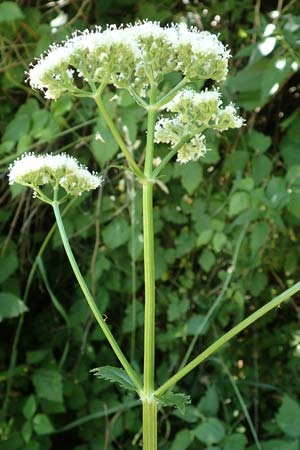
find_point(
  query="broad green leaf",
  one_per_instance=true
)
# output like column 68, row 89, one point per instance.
column 177, row 307
column 258, row 283
column 114, row 375
column 42, row 424
column 210, row 432
column 245, row 184
column 11, row 306
column 209, row 403
column 236, row 162
column 182, row 440
column 191, row 175
column 30, row 407
column 259, row 141
column 259, row 236
column 288, row 417
column 204, row 237
column 276, row 444
column 27, row 431
column 48, row 384
column 277, row 192
column 116, row 233
column 238, row 203
column 261, row 168
column 236, row 442
column 10, row 11
column 18, row 127
column 207, row 260
column 218, row 242
column 179, row 400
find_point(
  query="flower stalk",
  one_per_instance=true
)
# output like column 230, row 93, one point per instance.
column 91, row 302
column 149, row 407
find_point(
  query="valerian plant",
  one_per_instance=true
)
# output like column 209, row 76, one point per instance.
column 137, row 58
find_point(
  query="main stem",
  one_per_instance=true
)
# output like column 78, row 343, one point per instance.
column 89, row 298
column 149, row 402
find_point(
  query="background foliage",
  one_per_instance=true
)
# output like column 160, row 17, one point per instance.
column 227, row 240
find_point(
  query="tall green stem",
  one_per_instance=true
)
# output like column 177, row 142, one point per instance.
column 149, row 403
column 89, row 298
column 149, row 425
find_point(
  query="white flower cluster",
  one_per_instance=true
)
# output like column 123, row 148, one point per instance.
column 57, row 170
column 129, row 56
column 195, row 113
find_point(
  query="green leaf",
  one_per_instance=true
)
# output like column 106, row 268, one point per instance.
column 191, row 175
column 259, row 236
column 288, row 417
column 204, row 237
column 11, row 306
column 197, row 325
column 48, row 384
column 276, row 444
column 218, row 242
column 294, row 204
column 210, row 432
column 26, row 431
column 18, row 127
column 42, row 424
column 262, row 167
column 114, row 375
column 182, row 440
column 179, row 400
column 207, row 260
column 245, row 184
column 258, row 283
column 209, row 403
column 238, row 203
column 8, row 265
column 236, row 162
column 30, row 407
column 116, row 233
column 259, row 141
column 236, row 442
column 9, row 12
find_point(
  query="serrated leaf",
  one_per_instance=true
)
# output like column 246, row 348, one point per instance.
column 179, row 400
column 114, row 375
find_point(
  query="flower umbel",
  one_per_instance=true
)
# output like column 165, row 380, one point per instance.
column 194, row 113
column 130, row 56
column 57, row 170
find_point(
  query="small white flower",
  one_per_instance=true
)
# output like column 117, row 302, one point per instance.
column 192, row 150
column 57, row 170
column 228, row 118
column 132, row 55
column 195, row 113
